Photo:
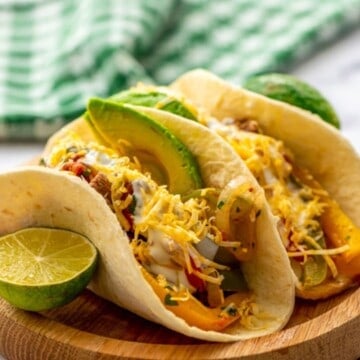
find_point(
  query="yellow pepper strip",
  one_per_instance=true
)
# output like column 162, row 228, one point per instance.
column 338, row 228
column 194, row 312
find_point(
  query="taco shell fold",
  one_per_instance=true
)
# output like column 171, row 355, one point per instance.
column 316, row 145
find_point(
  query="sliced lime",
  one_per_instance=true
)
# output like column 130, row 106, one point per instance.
column 43, row 268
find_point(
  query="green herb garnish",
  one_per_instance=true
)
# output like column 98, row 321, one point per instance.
column 220, row 204
column 169, row 301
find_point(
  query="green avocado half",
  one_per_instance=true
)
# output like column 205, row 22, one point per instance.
column 290, row 89
column 161, row 153
column 154, row 99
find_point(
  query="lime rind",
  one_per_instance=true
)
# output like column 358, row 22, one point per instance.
column 41, row 298
column 32, row 281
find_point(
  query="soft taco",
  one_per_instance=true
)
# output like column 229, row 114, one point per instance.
column 205, row 261
column 309, row 171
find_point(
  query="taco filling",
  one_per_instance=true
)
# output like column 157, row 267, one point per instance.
column 321, row 240
column 190, row 249
column 304, row 210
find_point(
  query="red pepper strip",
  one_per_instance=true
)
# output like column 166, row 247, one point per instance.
column 194, row 280
column 78, row 169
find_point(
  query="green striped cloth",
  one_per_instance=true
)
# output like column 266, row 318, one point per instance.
column 55, row 54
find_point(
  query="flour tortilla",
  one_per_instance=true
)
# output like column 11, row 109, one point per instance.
column 28, row 198
column 317, row 146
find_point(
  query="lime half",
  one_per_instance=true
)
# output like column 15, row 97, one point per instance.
column 43, row 268
column 290, row 89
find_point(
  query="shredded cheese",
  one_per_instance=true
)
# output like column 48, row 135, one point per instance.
column 100, row 157
column 321, row 252
column 164, row 228
column 297, row 206
column 185, row 223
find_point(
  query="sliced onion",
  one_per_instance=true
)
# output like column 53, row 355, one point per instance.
column 207, row 248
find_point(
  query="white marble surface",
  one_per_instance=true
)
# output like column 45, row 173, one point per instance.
column 335, row 71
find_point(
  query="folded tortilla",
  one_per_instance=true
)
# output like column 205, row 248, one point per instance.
column 315, row 145
column 37, row 196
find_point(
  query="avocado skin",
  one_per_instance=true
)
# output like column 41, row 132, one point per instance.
column 291, row 90
column 156, row 100
column 150, row 140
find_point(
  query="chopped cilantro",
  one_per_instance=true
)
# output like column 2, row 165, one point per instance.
column 232, row 311
column 42, row 162
column 220, row 204
column 132, row 205
column 169, row 301
column 229, row 310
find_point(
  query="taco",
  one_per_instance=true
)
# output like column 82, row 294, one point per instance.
column 309, row 171
column 206, row 262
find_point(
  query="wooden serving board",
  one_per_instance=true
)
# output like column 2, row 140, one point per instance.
column 92, row 328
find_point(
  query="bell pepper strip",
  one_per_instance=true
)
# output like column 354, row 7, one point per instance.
column 79, row 169
column 194, row 280
column 194, row 312
column 338, row 228
column 339, row 231
column 215, row 295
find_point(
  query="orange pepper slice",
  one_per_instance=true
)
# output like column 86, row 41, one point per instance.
column 194, row 312
column 339, row 231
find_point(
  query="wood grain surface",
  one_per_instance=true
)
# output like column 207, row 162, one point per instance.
column 92, row 328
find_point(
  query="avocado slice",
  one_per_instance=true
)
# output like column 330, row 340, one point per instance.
column 161, row 153
column 154, row 99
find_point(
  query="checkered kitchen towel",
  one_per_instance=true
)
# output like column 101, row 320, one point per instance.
column 55, row 54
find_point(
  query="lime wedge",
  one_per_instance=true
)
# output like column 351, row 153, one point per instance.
column 43, row 268
column 290, row 89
